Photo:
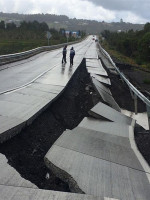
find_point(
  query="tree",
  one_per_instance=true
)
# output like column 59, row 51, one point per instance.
column 144, row 47
column 11, row 26
column 70, row 34
column 147, row 27
column 2, row 25
column 62, row 31
column 44, row 26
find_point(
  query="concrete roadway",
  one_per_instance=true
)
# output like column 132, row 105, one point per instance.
column 26, row 88
column 22, row 72
column 98, row 158
column 29, row 85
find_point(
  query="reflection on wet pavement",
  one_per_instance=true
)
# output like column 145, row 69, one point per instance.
column 70, row 70
column 63, row 68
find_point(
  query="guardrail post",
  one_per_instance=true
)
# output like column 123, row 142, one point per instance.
column 135, row 103
column 148, row 115
column 132, row 95
column 122, row 79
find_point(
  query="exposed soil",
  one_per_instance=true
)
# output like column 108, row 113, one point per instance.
column 25, row 152
column 121, row 94
column 137, row 77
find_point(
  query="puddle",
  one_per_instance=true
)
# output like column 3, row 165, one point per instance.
column 141, row 118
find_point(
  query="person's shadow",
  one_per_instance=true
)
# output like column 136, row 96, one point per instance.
column 70, row 70
column 63, row 68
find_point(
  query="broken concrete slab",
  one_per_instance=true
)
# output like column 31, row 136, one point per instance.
column 105, row 61
column 95, row 63
column 10, row 177
column 106, row 95
column 21, row 98
column 110, row 128
column 96, row 176
column 111, row 114
column 19, row 110
column 37, row 94
column 22, row 193
column 34, row 95
column 92, row 143
column 101, row 79
column 97, row 71
column 58, row 76
column 10, row 126
column 46, row 87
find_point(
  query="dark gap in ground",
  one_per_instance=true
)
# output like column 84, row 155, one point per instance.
column 142, row 139
column 25, row 152
column 121, row 94
column 137, row 76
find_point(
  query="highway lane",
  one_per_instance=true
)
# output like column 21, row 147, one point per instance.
column 20, row 73
column 28, row 86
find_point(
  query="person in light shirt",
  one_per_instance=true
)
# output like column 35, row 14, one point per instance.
column 72, row 54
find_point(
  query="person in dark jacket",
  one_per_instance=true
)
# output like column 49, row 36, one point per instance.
column 64, row 54
column 72, row 54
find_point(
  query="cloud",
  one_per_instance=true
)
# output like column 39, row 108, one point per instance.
column 135, row 11
column 138, row 7
column 72, row 8
column 128, row 16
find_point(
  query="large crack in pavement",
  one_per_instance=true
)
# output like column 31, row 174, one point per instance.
column 25, row 152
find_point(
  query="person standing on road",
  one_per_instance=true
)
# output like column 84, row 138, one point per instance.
column 64, row 54
column 72, row 54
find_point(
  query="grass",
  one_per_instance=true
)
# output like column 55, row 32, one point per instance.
column 16, row 46
column 122, row 58
column 146, row 81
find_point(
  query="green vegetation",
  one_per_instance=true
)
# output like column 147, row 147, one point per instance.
column 116, row 54
column 146, row 81
column 131, row 47
column 29, row 35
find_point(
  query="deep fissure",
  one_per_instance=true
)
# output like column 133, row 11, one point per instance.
column 25, row 152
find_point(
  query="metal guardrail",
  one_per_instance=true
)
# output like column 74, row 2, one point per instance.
column 136, row 92
column 5, row 59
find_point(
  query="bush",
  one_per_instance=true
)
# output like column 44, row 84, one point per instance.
column 146, row 81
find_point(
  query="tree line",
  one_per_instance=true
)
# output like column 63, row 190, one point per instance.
column 61, row 21
column 134, row 44
column 29, row 35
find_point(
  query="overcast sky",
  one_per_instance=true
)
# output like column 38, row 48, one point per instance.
column 134, row 11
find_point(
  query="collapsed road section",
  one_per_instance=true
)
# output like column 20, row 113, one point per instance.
column 99, row 157
column 97, row 143
column 25, row 152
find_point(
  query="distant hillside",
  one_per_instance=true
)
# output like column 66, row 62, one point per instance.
column 62, row 21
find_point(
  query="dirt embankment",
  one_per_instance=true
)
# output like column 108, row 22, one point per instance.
column 122, row 95
column 138, row 77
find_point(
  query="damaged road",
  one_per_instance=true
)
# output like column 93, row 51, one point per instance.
column 25, row 152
